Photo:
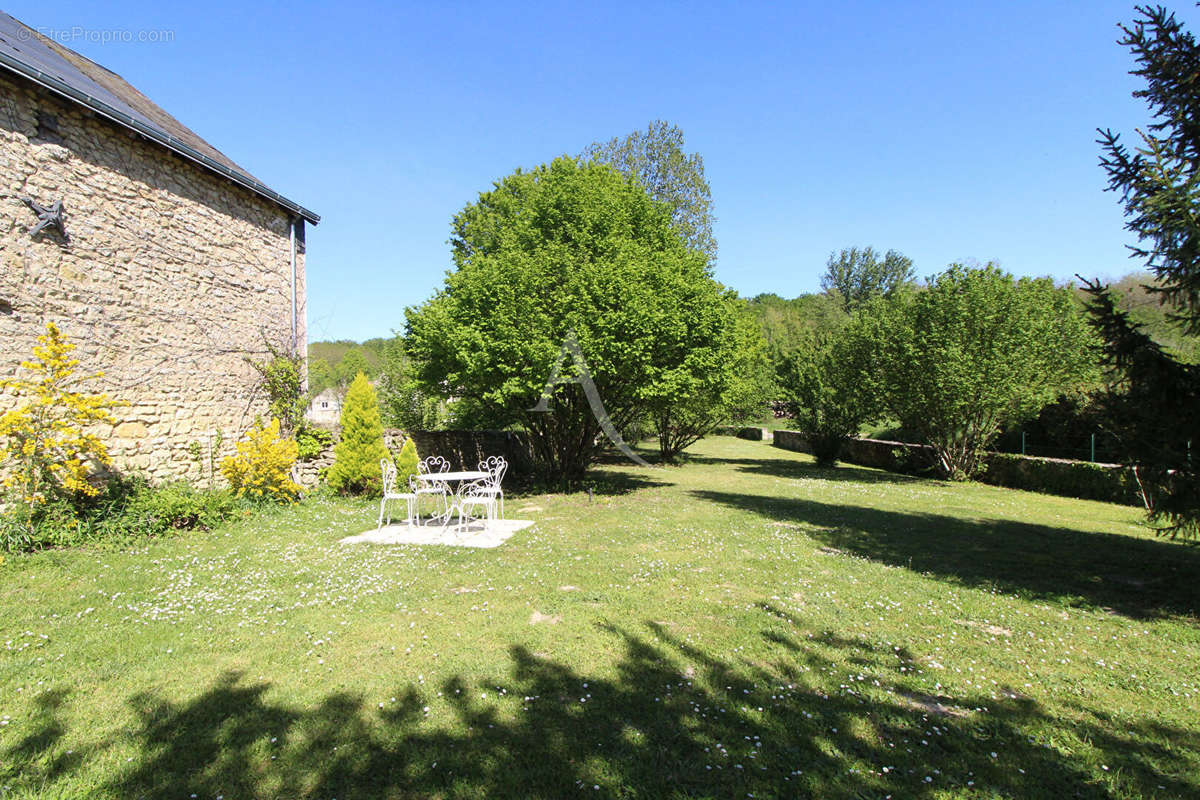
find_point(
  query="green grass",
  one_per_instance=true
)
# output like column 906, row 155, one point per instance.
column 745, row 625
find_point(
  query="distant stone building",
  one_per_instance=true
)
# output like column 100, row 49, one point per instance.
column 164, row 261
column 325, row 409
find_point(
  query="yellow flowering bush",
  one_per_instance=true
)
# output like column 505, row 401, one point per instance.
column 262, row 468
column 48, row 444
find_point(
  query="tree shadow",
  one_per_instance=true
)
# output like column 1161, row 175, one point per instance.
column 672, row 720
column 791, row 468
column 38, row 749
column 1139, row 578
column 605, row 482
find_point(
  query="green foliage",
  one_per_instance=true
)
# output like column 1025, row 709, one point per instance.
column 975, row 351
column 177, row 506
column 357, row 454
column 858, row 275
column 1135, row 294
column 353, row 363
column 126, row 509
column 828, row 384
column 791, row 324
column 320, row 376
column 403, row 402
column 1159, row 181
column 204, row 454
column 565, row 247
column 333, row 352
column 262, row 468
column 716, row 373
column 311, row 442
column 657, row 161
column 407, row 464
column 283, row 380
column 1154, row 412
column 1155, row 407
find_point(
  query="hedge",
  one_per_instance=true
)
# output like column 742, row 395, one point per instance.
column 1083, row 479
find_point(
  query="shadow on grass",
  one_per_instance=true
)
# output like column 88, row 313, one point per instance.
column 608, row 482
column 671, row 721
column 791, row 468
column 1136, row 577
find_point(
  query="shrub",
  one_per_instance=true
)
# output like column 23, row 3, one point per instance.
column 178, row 506
column 311, row 442
column 356, row 457
column 46, row 444
column 124, row 509
column 406, row 464
column 262, row 468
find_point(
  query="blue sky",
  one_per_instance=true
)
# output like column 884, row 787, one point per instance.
column 948, row 131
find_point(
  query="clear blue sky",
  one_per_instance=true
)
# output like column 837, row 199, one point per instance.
column 946, row 130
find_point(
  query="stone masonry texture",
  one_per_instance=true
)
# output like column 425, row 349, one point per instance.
column 170, row 278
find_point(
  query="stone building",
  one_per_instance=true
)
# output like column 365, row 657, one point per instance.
column 325, row 409
column 164, row 261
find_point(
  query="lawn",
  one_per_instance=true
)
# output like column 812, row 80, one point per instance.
column 747, row 625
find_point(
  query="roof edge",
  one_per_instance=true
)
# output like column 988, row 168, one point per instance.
column 170, row 142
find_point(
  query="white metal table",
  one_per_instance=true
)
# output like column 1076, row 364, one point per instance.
column 458, row 479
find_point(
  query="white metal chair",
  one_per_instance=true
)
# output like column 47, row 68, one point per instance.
column 431, row 466
column 389, row 493
column 477, row 493
column 496, row 466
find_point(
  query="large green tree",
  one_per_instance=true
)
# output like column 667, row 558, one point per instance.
column 829, row 384
column 403, row 402
column 1154, row 408
column 567, row 249
column 719, row 373
column 858, row 275
column 656, row 159
column 973, row 352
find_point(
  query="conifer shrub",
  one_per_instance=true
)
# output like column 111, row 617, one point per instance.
column 356, row 457
column 406, row 464
column 262, row 468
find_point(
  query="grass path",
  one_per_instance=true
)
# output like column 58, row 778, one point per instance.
column 746, row 625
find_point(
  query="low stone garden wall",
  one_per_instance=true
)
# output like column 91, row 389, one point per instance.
column 753, row 434
column 1111, row 483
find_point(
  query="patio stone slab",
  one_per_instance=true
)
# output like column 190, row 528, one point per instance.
column 478, row 534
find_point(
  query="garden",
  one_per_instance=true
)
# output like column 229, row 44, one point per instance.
column 749, row 624
column 687, row 614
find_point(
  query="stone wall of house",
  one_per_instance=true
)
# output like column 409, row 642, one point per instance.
column 170, row 276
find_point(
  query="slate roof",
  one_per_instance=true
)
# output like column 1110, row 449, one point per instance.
column 63, row 71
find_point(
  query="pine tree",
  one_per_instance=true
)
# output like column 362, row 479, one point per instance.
column 1154, row 409
column 357, row 455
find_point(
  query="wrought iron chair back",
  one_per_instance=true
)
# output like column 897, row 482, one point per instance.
column 432, row 464
column 497, row 466
column 389, row 475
